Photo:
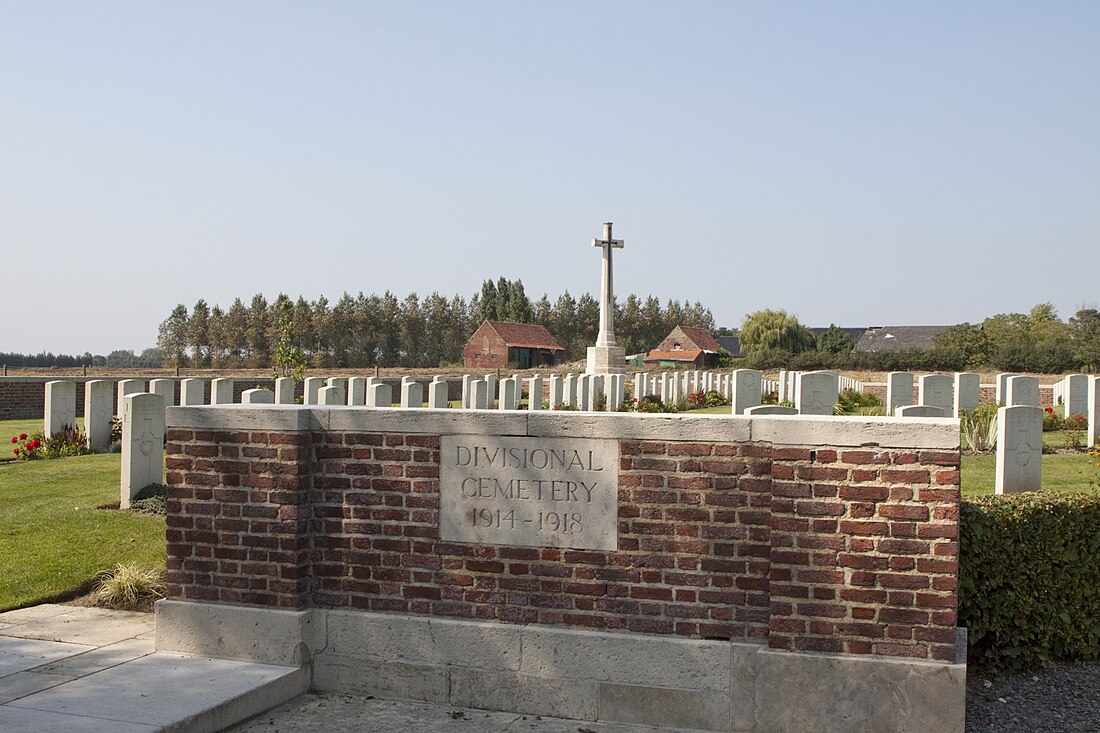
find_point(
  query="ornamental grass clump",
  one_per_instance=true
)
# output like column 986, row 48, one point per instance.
column 130, row 585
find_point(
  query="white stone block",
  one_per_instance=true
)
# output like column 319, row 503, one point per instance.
column 312, row 387
column 570, row 394
column 783, row 396
column 341, row 382
column 284, row 391
column 166, row 388
column 1022, row 391
column 257, row 397
column 467, row 395
column 899, row 390
column 584, row 392
column 937, row 390
column 192, row 392
column 60, row 407
column 746, row 390
column 490, row 391
column 142, row 444
column 479, row 394
column 98, row 410
column 968, row 389
column 616, row 392
column 1019, row 448
column 769, row 410
column 597, row 392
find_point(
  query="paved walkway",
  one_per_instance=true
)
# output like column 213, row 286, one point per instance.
column 68, row 669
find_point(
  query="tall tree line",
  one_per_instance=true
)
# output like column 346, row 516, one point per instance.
column 373, row 330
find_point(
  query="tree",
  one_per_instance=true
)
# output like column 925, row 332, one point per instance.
column 488, row 303
column 198, row 334
column 288, row 357
column 768, row 329
column 236, row 333
column 172, row 337
column 960, row 347
column 834, row 340
column 1085, row 326
column 259, row 326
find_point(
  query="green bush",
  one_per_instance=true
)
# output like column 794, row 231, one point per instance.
column 850, row 402
column 1029, row 578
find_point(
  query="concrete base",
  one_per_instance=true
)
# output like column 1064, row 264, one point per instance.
column 593, row 676
column 606, row 360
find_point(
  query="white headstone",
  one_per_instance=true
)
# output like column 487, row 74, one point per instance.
column 257, row 397
column 968, row 390
column 127, row 387
column 490, row 391
column 746, row 390
column 437, row 394
column 557, row 391
column 769, row 410
column 1094, row 412
column 1002, row 387
column 97, row 413
column 379, row 394
column 584, row 392
column 534, row 393
column 937, row 390
column 596, row 391
column 1075, row 394
column 142, row 444
column 509, row 394
column 783, row 395
column 899, row 390
column 166, row 388
column 311, row 388
column 192, row 392
column 920, row 411
column 412, row 394
column 341, row 382
column 479, row 394
column 665, row 388
column 467, row 395
column 221, row 391
column 357, row 391
column 815, row 393
column 1022, row 391
column 616, row 391
column 284, row 391
column 60, row 408
column 570, row 395
column 1019, row 449
column 331, row 396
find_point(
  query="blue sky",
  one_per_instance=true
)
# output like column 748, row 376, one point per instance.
column 863, row 163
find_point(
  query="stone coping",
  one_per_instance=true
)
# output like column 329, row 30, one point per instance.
column 792, row 430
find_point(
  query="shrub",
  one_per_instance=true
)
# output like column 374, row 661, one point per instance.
column 850, row 402
column 1052, row 421
column 1074, row 428
column 1029, row 578
column 129, row 585
column 153, row 499
column 979, row 428
column 68, row 441
column 27, row 447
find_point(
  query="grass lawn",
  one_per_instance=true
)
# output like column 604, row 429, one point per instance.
column 1061, row 472
column 53, row 539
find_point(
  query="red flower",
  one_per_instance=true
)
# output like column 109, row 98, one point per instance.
column 14, row 440
column 1050, row 410
column 16, row 451
column 35, row 443
column 22, row 436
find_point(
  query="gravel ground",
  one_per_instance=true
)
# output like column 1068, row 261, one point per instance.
column 1062, row 699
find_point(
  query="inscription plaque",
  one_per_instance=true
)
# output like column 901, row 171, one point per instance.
column 531, row 492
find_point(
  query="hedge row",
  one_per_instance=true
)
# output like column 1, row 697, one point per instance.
column 1029, row 578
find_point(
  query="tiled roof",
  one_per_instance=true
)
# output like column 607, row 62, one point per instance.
column 701, row 338
column 897, row 338
column 677, row 355
column 526, row 335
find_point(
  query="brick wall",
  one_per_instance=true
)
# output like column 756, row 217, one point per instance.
column 822, row 548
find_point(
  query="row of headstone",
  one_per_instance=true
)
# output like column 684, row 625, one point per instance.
column 944, row 395
column 1072, row 392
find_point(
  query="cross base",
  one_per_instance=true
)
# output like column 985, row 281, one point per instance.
column 606, row 360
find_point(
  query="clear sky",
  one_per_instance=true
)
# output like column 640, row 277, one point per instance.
column 863, row 163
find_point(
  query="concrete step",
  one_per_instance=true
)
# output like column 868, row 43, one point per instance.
column 164, row 691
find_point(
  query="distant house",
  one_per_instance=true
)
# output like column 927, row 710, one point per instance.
column 897, row 338
column 499, row 343
column 732, row 344
column 685, row 346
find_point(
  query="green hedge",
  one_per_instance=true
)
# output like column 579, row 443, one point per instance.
column 1029, row 578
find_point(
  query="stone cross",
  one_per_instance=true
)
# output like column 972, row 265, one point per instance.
column 607, row 293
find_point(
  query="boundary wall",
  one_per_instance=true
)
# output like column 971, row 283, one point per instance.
column 769, row 573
